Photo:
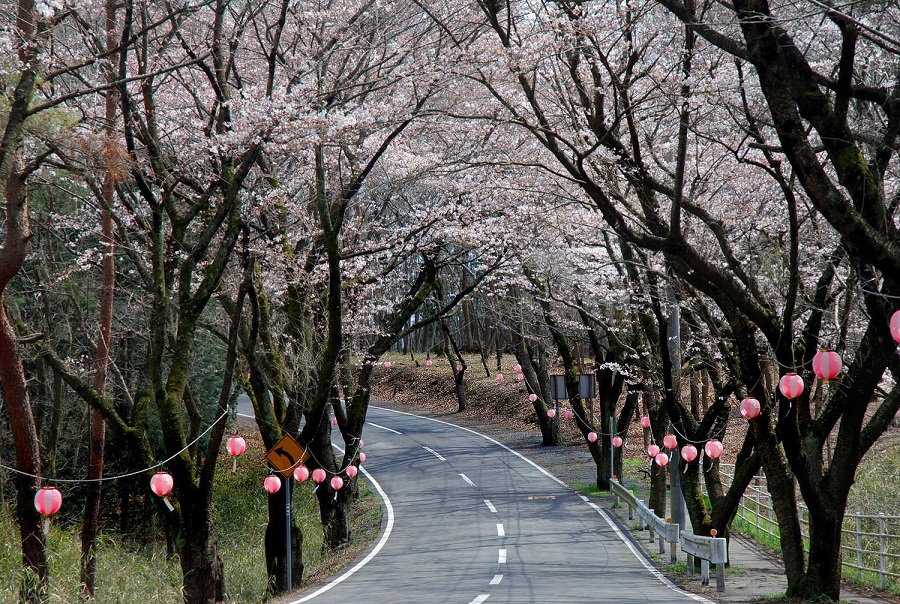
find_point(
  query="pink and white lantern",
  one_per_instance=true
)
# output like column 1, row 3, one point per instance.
column 669, row 441
column 592, row 436
column 750, row 408
column 652, row 450
column 362, row 457
column 662, row 460
column 459, row 367
column 318, row 475
column 645, row 421
column 236, row 447
column 791, row 385
column 517, row 368
column 827, row 364
column 301, row 473
column 551, row 413
column 429, row 363
column 532, row 397
column 617, row 441
column 520, row 377
column 387, row 365
column 47, row 502
column 352, row 471
column 567, row 414
column 272, row 484
column 499, row 377
column 713, row 449
column 337, row 483
column 689, row 453
column 895, row 326
column 161, row 484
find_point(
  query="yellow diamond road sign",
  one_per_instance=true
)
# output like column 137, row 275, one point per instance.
column 286, row 455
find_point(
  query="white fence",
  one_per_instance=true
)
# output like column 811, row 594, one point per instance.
column 870, row 544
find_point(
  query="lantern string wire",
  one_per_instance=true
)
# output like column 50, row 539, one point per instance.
column 118, row 476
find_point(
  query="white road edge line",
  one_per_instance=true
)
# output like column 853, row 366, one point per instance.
column 496, row 580
column 466, row 478
column 585, row 499
column 490, row 506
column 501, row 557
column 384, row 428
column 641, row 558
column 480, row 599
column 500, row 531
column 381, row 542
column 433, row 452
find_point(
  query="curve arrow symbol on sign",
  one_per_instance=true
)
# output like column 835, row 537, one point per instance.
column 283, row 453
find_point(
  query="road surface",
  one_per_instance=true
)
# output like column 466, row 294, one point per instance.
column 470, row 521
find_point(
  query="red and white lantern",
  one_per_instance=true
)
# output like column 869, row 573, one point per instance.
column 337, row 483
column 592, row 437
column 750, row 408
column 236, row 447
column 499, row 377
column 272, row 484
column 301, row 473
column 352, row 471
column 652, row 450
column 47, row 501
column 791, row 385
column 567, row 414
column 532, row 397
column 551, row 413
column 662, row 460
column 827, row 364
column 387, row 364
column 617, row 441
column 713, row 449
column 362, row 457
column 334, row 421
column 429, row 363
column 318, row 475
column 459, row 367
column 517, row 368
column 689, row 453
column 645, row 422
column 895, row 326
column 520, row 377
column 669, row 441
column 161, row 484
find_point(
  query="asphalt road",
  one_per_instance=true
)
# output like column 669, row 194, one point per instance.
column 470, row 521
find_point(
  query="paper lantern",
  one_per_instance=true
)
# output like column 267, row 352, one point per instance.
column 669, row 441
column 387, row 365
column 362, row 457
column 551, row 413
column 532, row 397
column 662, row 460
column 689, row 453
column 517, row 368
column 161, row 484
column 236, row 447
column 617, row 441
column 652, row 450
column 352, row 471
column 499, row 377
column 749, row 408
column 301, row 473
column 334, row 421
column 827, row 364
column 592, row 436
column 645, row 421
column 791, row 385
column 429, row 363
column 47, row 501
column 895, row 326
column 567, row 414
column 713, row 449
column 336, row 483
column 318, row 475
column 520, row 377
column 272, row 484
column 459, row 367
column 362, row 443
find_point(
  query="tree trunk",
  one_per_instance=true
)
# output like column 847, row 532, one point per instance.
column 823, row 571
column 203, row 573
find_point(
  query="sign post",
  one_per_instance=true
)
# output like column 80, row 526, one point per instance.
column 286, row 455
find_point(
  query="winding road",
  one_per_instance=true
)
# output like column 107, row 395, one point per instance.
column 469, row 520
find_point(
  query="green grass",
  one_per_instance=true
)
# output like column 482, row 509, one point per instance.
column 129, row 573
column 590, row 488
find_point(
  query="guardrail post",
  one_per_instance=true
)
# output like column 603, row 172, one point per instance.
column 882, row 550
column 690, row 565
column 858, row 547
column 704, row 571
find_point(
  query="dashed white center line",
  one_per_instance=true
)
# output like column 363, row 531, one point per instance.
column 480, row 599
column 384, row 428
column 490, row 506
column 500, row 531
column 496, row 580
column 501, row 558
column 435, row 453
column 466, row 478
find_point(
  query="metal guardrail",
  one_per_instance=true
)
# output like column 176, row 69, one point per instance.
column 870, row 543
column 667, row 531
column 710, row 550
